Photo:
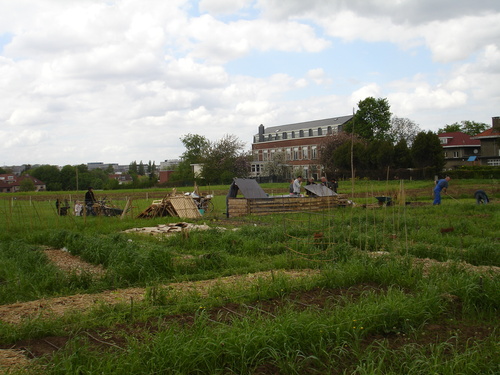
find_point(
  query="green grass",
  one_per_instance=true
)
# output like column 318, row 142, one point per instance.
column 376, row 311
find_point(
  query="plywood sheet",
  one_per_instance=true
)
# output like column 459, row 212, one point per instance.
column 185, row 207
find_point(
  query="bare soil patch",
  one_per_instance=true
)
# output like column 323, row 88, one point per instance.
column 55, row 307
column 72, row 263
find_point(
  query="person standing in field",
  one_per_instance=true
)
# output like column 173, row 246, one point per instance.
column 296, row 186
column 90, row 200
column 441, row 186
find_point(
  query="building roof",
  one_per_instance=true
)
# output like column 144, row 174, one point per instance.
column 489, row 133
column 459, row 139
column 334, row 121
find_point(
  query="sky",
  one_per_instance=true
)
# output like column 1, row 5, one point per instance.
column 117, row 81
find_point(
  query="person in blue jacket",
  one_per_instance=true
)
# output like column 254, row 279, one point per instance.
column 481, row 197
column 441, row 185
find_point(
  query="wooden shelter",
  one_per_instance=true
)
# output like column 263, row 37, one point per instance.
column 257, row 202
column 182, row 206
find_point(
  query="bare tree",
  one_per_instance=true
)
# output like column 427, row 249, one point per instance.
column 276, row 167
column 403, row 128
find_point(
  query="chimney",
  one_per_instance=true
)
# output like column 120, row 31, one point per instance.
column 261, row 133
column 496, row 123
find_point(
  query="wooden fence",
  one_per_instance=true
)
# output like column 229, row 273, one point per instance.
column 265, row 206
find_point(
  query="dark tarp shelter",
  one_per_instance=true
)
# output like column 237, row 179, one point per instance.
column 320, row 190
column 249, row 188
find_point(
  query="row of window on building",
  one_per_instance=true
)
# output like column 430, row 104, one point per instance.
column 299, row 134
column 291, row 153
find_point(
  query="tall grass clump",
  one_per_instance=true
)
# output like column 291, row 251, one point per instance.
column 288, row 341
column 26, row 274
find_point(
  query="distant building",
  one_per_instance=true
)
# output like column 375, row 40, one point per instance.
column 459, row 149
column 122, row 178
column 490, row 144
column 299, row 142
column 164, row 176
column 11, row 183
column 169, row 164
column 101, row 165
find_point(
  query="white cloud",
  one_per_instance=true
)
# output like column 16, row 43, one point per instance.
column 87, row 80
column 223, row 6
column 371, row 89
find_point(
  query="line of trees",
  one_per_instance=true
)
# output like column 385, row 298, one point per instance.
column 376, row 140
column 79, row 177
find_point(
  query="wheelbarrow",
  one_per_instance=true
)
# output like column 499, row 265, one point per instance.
column 384, row 200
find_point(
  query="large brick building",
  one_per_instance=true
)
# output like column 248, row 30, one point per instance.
column 299, row 143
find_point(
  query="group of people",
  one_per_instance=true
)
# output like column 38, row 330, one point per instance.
column 295, row 184
column 442, row 187
column 63, row 206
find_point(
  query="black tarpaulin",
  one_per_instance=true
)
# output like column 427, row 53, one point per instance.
column 249, row 188
column 320, row 190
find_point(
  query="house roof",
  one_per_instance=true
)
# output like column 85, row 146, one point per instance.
column 489, row 133
column 459, row 139
column 9, row 180
column 334, row 121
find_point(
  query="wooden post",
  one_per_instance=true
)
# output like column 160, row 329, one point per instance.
column 127, row 205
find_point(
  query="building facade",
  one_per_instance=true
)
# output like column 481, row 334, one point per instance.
column 490, row 144
column 297, row 144
column 459, row 149
column 11, row 183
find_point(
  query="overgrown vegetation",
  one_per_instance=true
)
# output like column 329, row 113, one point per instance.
column 387, row 289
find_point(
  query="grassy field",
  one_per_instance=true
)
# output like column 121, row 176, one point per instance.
column 365, row 289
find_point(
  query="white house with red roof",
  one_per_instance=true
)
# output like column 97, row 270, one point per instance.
column 11, row 183
column 459, row 149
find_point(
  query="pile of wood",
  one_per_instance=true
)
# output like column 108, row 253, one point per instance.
column 182, row 206
column 167, row 229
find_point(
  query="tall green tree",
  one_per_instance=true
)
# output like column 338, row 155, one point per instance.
column 427, row 151
column 224, row 160
column 27, row 184
column 372, row 120
column 450, row 128
column 468, row 127
column 342, row 155
column 49, row 174
column 402, row 155
column 327, row 151
column 68, row 177
column 196, row 146
column 141, row 171
column 132, row 168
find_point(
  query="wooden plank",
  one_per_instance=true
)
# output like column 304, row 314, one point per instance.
column 185, row 207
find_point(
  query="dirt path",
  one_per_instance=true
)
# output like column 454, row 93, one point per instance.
column 55, row 307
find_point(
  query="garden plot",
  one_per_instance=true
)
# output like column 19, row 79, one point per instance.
column 72, row 263
column 56, row 307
